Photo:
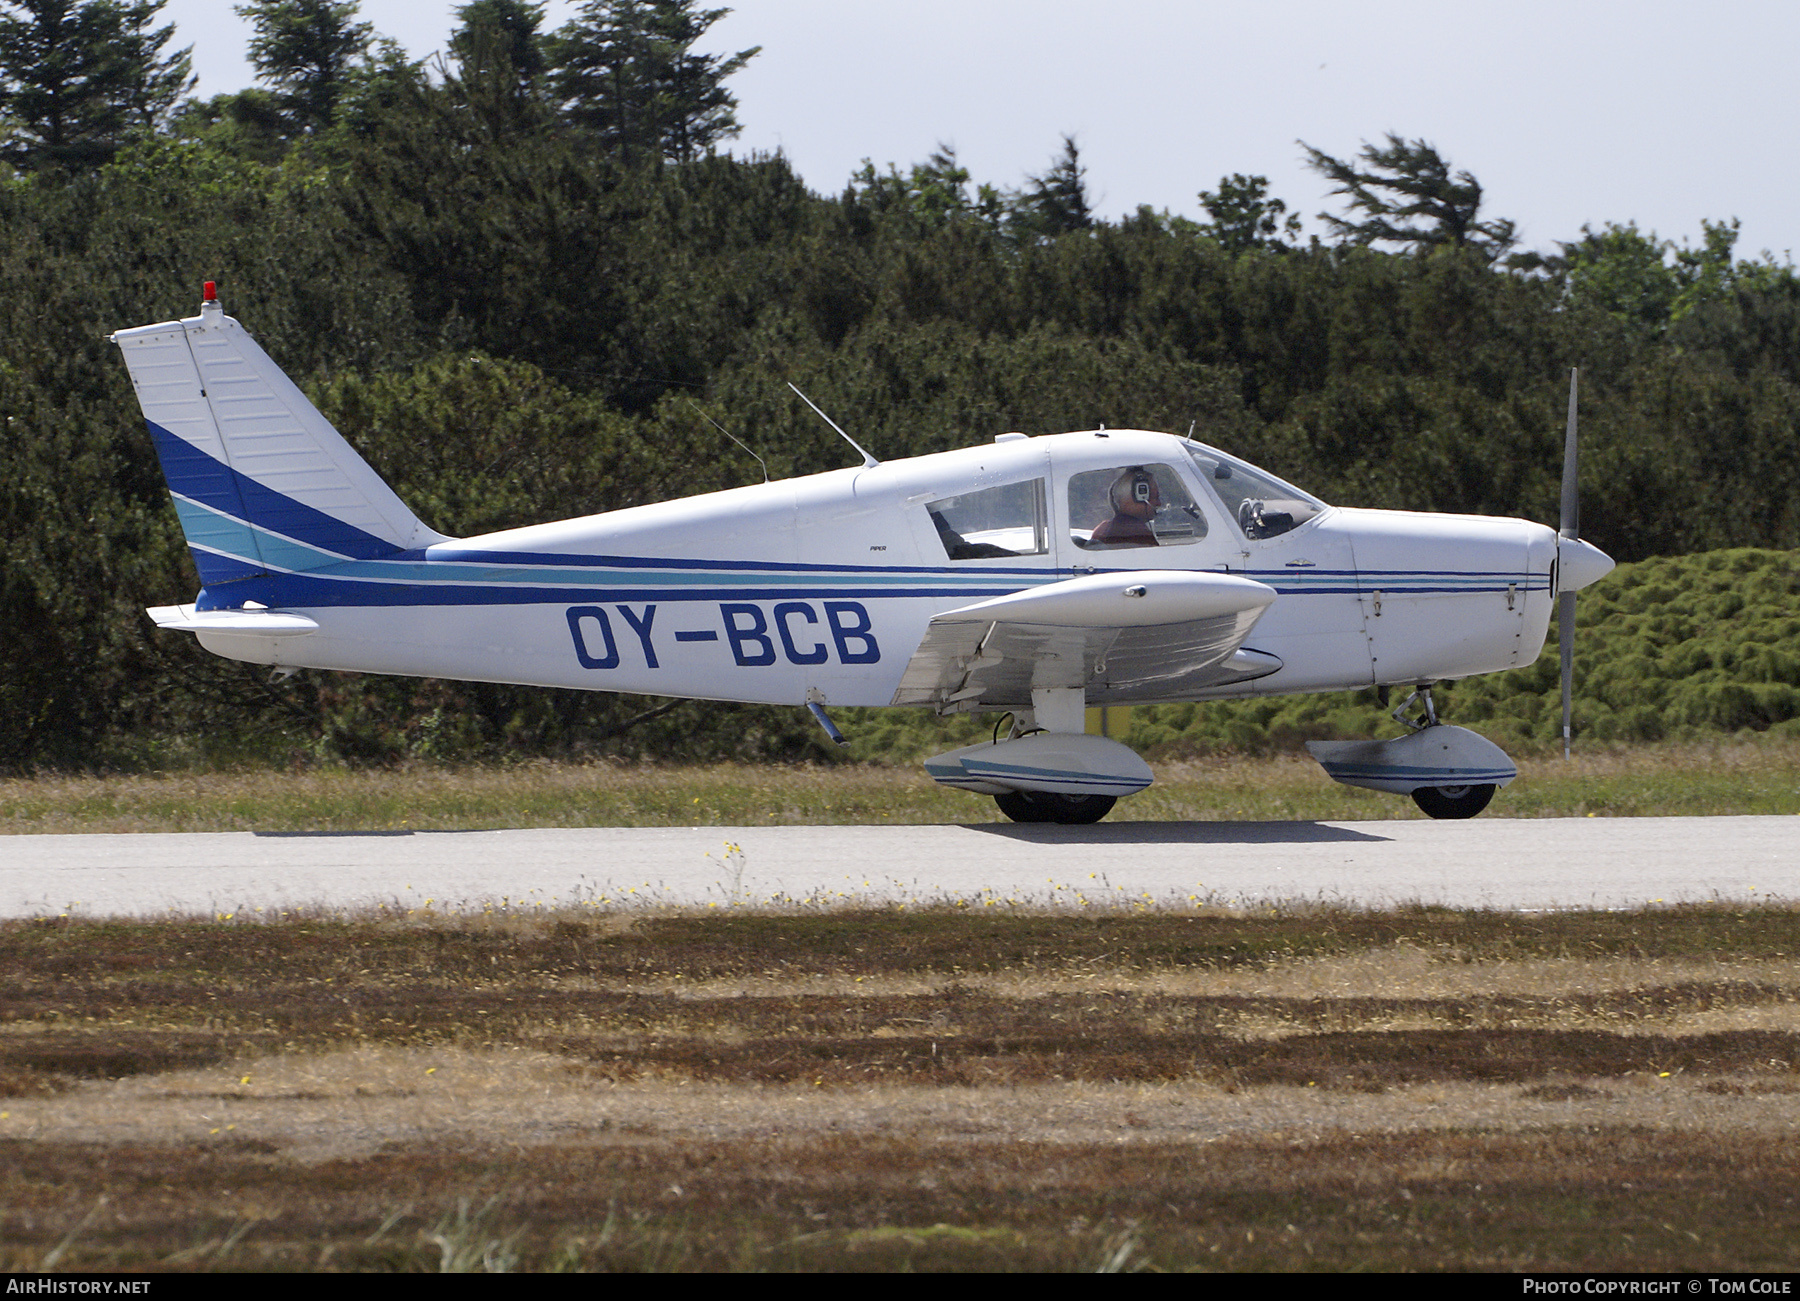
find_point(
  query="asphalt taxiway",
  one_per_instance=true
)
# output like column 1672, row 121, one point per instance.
column 1483, row 863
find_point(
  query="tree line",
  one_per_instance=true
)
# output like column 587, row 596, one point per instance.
column 523, row 280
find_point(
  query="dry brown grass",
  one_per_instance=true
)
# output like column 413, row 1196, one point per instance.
column 1311, row 1089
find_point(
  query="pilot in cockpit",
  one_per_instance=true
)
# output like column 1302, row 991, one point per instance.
column 1135, row 501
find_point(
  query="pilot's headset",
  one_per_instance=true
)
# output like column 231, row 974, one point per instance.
column 1134, row 493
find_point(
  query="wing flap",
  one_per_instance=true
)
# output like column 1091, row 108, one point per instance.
column 1132, row 599
column 1146, row 635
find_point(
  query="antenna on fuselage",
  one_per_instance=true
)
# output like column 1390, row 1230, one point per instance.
column 733, row 437
column 868, row 460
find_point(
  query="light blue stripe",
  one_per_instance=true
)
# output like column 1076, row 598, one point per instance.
column 978, row 767
column 250, row 543
column 204, row 527
column 1450, row 775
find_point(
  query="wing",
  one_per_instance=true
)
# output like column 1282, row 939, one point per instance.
column 1138, row 636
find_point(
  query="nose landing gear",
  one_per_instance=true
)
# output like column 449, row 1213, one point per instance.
column 1461, row 801
column 1450, row 772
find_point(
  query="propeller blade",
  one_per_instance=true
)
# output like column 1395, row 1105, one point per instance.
column 1570, row 530
column 1571, row 493
column 1565, row 637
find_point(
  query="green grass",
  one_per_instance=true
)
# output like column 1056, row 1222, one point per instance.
column 1751, row 775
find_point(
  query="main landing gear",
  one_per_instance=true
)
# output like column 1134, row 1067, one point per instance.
column 1047, row 747
column 1042, row 806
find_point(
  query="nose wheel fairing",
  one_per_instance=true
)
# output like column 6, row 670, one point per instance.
column 1460, row 769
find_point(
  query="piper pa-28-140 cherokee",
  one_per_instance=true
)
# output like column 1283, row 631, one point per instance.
column 1031, row 576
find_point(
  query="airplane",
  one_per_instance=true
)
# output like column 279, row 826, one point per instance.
column 1029, row 577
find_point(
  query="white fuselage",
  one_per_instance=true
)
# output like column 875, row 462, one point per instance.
column 821, row 588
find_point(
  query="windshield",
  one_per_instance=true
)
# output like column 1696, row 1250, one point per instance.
column 1262, row 505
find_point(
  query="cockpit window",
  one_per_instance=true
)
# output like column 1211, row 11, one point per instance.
column 1132, row 506
column 991, row 522
column 1262, row 505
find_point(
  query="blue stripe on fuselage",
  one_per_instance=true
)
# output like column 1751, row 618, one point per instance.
column 418, row 582
column 316, row 591
column 1395, row 582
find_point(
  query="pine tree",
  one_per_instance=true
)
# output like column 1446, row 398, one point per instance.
column 625, row 70
column 77, row 80
column 306, row 50
column 500, row 65
column 496, row 31
column 1244, row 217
column 1056, row 202
column 934, row 193
column 1406, row 195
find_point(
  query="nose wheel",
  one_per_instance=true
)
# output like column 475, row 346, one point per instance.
column 1041, row 806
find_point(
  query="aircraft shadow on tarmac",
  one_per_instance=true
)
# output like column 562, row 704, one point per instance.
column 1110, row 833
column 322, row 835
column 1175, row 833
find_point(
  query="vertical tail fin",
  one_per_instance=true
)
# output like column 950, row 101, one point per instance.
column 261, row 481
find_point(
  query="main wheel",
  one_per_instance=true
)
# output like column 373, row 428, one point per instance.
column 1040, row 806
column 1021, row 806
column 1453, row 801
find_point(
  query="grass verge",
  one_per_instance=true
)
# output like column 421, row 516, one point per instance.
column 1301, row 1088
column 1760, row 776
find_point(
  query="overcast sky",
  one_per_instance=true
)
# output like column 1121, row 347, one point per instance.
column 1567, row 111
